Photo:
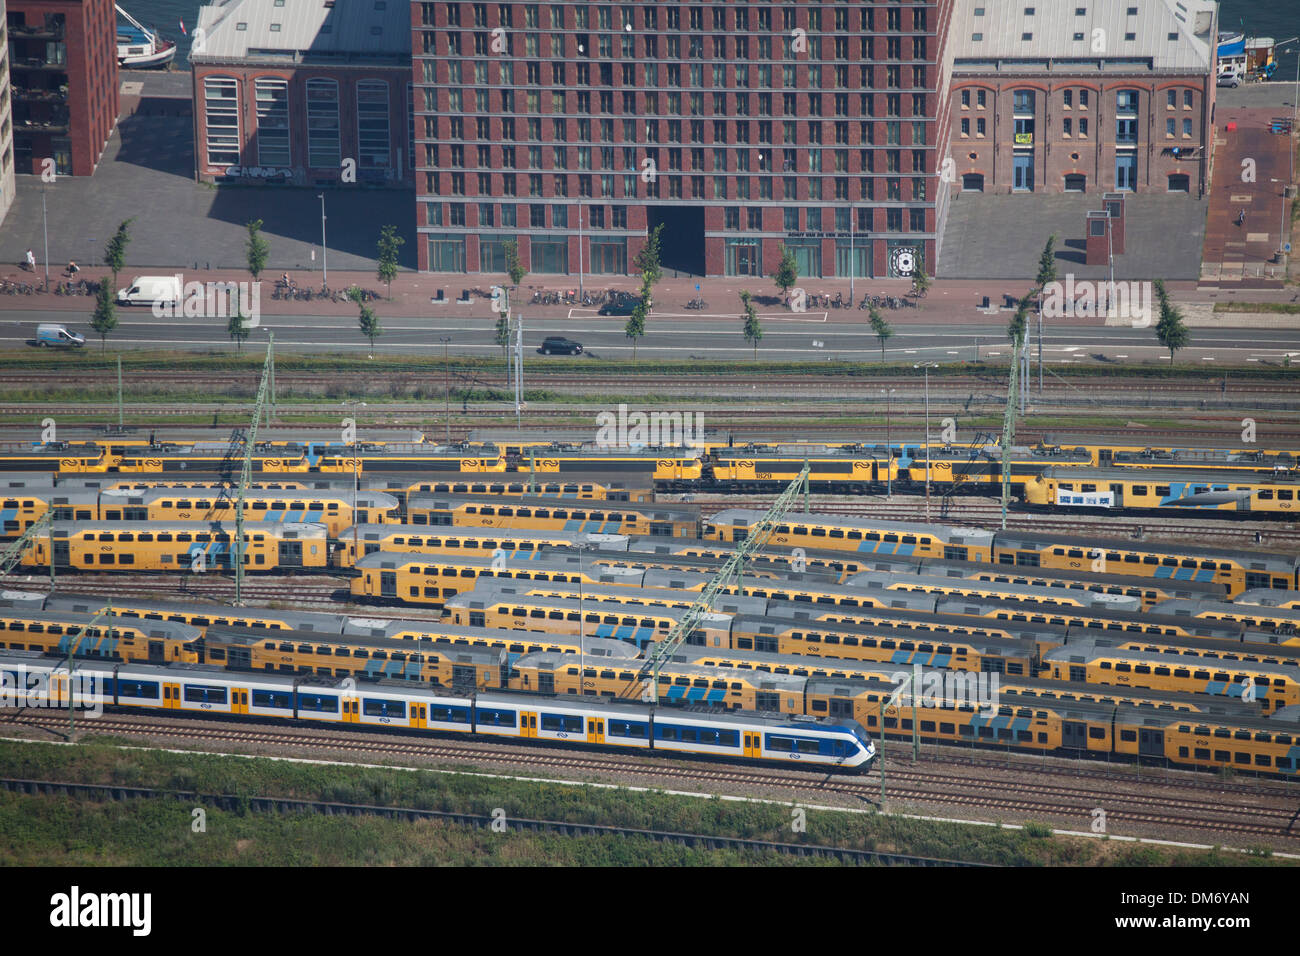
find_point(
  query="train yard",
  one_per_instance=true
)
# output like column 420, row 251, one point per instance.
column 509, row 600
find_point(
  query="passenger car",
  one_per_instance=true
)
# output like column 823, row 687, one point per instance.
column 558, row 345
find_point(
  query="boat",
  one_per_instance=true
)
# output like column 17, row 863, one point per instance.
column 139, row 48
column 1249, row 57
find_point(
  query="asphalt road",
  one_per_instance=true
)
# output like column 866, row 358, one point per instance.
column 810, row 339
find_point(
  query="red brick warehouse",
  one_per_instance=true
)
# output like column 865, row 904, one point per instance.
column 1083, row 96
column 739, row 126
column 303, row 92
column 63, row 70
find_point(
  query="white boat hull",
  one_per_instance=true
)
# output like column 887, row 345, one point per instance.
column 145, row 61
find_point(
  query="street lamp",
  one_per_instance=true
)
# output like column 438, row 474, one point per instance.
column 45, row 229
column 853, row 261
column 324, row 255
column 927, row 366
column 580, row 289
column 446, row 391
column 889, row 448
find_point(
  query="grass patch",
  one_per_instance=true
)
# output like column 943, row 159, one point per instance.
column 1279, row 308
column 39, row 830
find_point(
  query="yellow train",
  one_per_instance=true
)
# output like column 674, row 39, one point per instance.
column 541, row 514
column 115, row 639
column 398, row 540
column 1158, row 490
column 178, row 546
column 863, row 535
column 831, row 470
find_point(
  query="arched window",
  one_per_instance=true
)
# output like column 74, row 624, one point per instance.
column 221, row 120
column 272, row 95
column 372, row 125
column 323, row 148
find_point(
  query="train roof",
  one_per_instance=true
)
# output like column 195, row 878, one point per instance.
column 1251, row 560
column 762, row 680
column 1120, row 621
column 371, row 499
column 410, row 630
column 1082, row 652
column 880, row 581
column 315, row 621
column 648, row 596
column 424, row 499
column 474, row 600
column 1189, row 609
column 1208, row 456
column 891, row 600
column 380, row 532
column 477, row 654
column 1267, row 597
column 1175, row 478
column 971, row 536
column 1128, row 713
column 31, row 600
column 794, row 452
column 683, row 579
column 276, row 529
column 162, row 630
column 685, row 564
column 986, row 644
column 1075, row 580
column 541, row 561
column 911, row 624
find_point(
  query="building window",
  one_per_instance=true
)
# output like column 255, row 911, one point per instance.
column 272, row 121
column 323, row 148
column 221, row 109
column 372, row 126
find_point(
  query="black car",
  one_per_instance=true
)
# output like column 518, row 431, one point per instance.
column 558, row 345
column 621, row 306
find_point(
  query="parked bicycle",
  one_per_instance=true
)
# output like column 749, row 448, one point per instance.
column 697, row 304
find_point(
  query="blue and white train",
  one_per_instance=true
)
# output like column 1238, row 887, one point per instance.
column 202, row 689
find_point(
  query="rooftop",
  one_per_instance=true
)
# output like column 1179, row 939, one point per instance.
column 328, row 31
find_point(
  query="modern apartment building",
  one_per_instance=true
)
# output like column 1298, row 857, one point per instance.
column 305, row 92
column 6, row 121
column 741, row 127
column 1083, row 95
column 63, row 83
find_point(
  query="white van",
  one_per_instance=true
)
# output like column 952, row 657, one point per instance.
column 148, row 290
column 57, row 336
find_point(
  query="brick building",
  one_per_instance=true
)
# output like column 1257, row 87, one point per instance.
column 305, row 92
column 1083, row 96
column 739, row 126
column 63, row 82
column 6, row 121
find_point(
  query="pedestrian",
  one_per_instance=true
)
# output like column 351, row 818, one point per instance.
column 1241, row 217
column 31, row 261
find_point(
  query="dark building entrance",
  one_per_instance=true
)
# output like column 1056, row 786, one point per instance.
column 682, row 244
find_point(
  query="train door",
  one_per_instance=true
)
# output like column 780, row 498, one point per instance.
column 156, row 653
column 463, row 676
column 171, row 696
column 351, row 710
column 1074, row 735
column 753, row 745
column 238, row 700
column 419, row 715
column 290, row 554
column 388, row 584
column 595, row 730
column 1117, row 489
column 527, row 724
column 62, row 559
column 1151, row 743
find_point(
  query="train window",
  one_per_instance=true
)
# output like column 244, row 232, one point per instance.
column 1265, row 494
column 1142, row 668
column 105, row 537
column 1105, row 665
column 1285, row 494
column 1128, row 735
column 1239, row 757
column 1162, row 490
column 1097, row 733
column 1222, row 732
column 1139, row 489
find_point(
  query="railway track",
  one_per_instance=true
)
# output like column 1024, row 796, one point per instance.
column 1039, row 799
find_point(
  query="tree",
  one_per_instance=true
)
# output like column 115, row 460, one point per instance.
column 1170, row 331
column 753, row 329
column 236, row 328
column 115, row 251
column 503, row 335
column 1020, row 320
column 882, row 329
column 258, row 249
column 787, row 273
column 389, row 245
column 1047, row 264
column 647, row 260
column 104, row 319
column 921, row 281
column 514, row 268
column 369, row 323
column 635, row 326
